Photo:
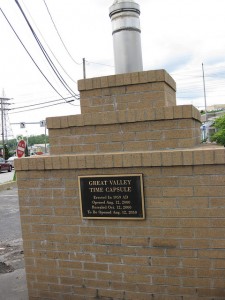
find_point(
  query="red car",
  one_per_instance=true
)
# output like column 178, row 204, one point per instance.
column 4, row 166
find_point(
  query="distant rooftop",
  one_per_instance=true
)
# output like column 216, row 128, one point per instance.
column 216, row 106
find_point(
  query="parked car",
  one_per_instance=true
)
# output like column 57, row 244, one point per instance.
column 4, row 166
column 11, row 160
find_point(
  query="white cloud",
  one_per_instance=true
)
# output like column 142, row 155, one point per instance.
column 177, row 35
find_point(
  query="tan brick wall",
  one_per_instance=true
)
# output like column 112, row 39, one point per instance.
column 129, row 124
column 134, row 130
column 177, row 252
column 148, row 89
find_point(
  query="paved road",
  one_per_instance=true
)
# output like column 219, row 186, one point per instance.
column 6, row 176
column 12, row 273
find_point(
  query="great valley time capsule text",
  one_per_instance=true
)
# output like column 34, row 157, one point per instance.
column 110, row 186
column 111, row 196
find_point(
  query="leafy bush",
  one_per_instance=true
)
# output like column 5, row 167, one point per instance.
column 219, row 136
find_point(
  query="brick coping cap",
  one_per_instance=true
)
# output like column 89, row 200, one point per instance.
column 125, row 116
column 202, row 155
column 126, row 79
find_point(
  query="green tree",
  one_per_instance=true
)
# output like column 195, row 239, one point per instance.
column 12, row 146
column 219, row 136
column 33, row 139
column 37, row 139
column 7, row 154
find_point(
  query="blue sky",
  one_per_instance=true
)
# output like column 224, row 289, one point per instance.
column 177, row 35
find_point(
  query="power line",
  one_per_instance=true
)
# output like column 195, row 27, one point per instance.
column 17, row 112
column 49, row 46
column 59, row 34
column 30, row 105
column 50, row 62
column 31, row 56
column 96, row 63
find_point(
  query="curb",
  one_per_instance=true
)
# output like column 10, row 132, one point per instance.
column 8, row 185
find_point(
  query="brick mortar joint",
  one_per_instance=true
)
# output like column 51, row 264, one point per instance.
column 126, row 80
column 122, row 116
column 164, row 158
column 128, row 93
column 128, row 85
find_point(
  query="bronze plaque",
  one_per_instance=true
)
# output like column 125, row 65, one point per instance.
column 112, row 196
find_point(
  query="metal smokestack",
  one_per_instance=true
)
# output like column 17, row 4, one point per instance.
column 126, row 33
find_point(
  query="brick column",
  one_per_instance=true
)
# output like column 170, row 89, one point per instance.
column 129, row 124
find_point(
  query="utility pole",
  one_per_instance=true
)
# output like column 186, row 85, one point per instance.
column 203, row 76
column 3, row 136
column 84, row 68
column 4, row 102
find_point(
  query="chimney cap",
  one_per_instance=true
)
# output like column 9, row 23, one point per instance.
column 124, row 5
column 119, row 1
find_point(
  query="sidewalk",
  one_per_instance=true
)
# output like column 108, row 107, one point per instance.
column 12, row 273
column 7, row 185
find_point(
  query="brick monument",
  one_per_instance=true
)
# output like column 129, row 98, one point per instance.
column 129, row 124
